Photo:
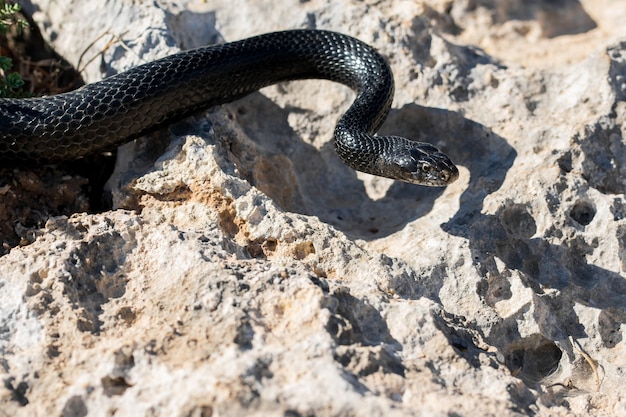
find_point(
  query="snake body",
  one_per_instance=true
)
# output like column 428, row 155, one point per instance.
column 120, row 108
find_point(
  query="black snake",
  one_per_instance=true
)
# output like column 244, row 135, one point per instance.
column 102, row 115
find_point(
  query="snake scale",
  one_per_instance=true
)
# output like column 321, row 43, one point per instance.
column 120, row 108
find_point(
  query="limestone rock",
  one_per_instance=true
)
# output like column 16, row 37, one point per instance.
column 246, row 271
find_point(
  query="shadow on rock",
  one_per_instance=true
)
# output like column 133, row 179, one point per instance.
column 544, row 267
column 302, row 179
column 556, row 17
column 486, row 155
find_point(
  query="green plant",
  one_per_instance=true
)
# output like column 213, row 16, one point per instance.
column 8, row 16
column 10, row 83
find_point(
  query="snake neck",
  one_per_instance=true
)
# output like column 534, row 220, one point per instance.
column 358, row 150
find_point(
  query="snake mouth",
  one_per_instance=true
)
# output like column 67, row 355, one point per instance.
column 433, row 169
column 429, row 175
column 443, row 177
column 449, row 175
column 434, row 177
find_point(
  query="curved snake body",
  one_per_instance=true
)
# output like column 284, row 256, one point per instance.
column 108, row 113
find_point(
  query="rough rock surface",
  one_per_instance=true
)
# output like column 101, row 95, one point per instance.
column 246, row 271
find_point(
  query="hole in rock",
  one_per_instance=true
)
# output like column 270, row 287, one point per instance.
column 113, row 386
column 75, row 407
column 18, row 392
column 533, row 358
column 583, row 212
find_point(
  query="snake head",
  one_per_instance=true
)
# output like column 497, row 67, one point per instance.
column 423, row 164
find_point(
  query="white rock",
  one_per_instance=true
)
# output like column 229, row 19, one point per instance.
column 263, row 277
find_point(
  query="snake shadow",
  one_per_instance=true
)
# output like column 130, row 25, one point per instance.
column 301, row 178
column 486, row 155
column 509, row 236
column 306, row 180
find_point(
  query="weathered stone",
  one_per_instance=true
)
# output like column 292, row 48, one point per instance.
column 246, row 271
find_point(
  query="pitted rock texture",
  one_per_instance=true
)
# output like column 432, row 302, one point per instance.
column 246, row 271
